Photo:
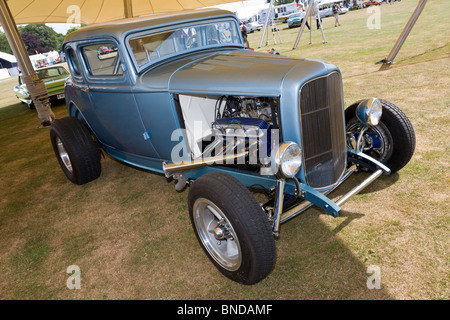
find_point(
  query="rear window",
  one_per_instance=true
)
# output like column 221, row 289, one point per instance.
column 50, row 73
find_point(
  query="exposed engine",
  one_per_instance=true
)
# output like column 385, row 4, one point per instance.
column 244, row 124
column 231, row 125
column 244, row 107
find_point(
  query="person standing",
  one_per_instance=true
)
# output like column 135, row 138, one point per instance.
column 317, row 14
column 302, row 15
column 244, row 35
column 336, row 8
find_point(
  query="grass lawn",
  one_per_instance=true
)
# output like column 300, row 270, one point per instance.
column 129, row 230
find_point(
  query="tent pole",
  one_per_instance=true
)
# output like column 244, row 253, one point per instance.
column 127, row 8
column 266, row 23
column 305, row 19
column 35, row 86
column 401, row 39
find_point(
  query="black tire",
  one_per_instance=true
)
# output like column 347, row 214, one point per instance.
column 75, row 150
column 397, row 132
column 31, row 105
column 248, row 252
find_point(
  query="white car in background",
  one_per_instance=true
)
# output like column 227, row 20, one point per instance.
column 253, row 26
column 326, row 12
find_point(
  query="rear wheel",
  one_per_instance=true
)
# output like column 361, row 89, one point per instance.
column 31, row 105
column 231, row 227
column 75, row 150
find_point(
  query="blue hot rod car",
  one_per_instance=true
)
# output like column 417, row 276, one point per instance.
column 179, row 95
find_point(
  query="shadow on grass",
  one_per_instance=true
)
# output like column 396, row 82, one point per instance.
column 136, row 208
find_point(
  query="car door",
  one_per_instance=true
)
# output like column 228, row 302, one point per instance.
column 113, row 113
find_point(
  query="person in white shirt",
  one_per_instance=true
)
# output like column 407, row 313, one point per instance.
column 302, row 15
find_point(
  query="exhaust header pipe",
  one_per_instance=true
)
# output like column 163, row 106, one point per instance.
column 170, row 168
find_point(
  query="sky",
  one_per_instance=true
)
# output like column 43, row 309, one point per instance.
column 61, row 27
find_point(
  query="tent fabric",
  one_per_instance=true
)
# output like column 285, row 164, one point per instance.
column 8, row 57
column 95, row 11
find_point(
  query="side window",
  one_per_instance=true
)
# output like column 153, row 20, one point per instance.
column 102, row 59
column 73, row 61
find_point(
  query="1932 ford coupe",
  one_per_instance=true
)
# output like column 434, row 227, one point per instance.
column 178, row 94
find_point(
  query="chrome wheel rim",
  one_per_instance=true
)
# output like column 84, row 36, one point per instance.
column 376, row 141
column 63, row 155
column 217, row 234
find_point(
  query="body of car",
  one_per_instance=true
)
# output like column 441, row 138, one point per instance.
column 104, row 50
column 371, row 3
column 54, row 78
column 254, row 26
column 326, row 12
column 295, row 19
column 179, row 95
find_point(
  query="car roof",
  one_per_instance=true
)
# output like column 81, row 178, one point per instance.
column 117, row 28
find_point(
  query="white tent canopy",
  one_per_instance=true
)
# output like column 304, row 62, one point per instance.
column 8, row 57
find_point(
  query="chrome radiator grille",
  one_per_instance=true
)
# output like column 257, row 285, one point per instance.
column 323, row 130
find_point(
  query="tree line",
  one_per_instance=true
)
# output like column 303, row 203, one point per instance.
column 38, row 38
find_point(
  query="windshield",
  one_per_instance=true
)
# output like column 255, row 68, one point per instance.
column 149, row 48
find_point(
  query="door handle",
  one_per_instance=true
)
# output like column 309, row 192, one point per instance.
column 82, row 88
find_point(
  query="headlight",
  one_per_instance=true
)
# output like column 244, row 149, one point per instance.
column 288, row 159
column 369, row 111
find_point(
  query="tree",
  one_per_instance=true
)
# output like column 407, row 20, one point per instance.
column 4, row 45
column 33, row 43
column 48, row 37
column 72, row 30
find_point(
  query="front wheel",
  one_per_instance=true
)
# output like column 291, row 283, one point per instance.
column 392, row 141
column 231, row 227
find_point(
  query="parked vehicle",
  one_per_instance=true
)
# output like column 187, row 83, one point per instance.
column 295, row 20
column 254, row 26
column 182, row 97
column 54, row 78
column 371, row 3
column 326, row 12
column 104, row 50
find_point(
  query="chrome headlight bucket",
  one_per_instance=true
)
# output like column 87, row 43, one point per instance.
column 369, row 111
column 288, row 159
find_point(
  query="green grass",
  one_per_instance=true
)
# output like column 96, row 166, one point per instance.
column 130, row 234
